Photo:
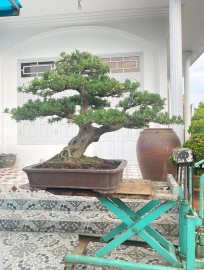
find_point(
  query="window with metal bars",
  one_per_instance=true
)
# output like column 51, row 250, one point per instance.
column 35, row 69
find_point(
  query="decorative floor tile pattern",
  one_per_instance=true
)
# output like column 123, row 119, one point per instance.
column 45, row 251
column 74, row 221
column 13, row 175
column 36, row 201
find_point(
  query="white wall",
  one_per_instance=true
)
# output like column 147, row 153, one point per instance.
column 97, row 40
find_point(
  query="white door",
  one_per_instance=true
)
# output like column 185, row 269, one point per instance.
column 40, row 131
column 27, row 131
column 120, row 144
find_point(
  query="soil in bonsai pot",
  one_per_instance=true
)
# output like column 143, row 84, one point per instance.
column 90, row 163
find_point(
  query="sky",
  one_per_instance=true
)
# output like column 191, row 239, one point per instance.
column 197, row 81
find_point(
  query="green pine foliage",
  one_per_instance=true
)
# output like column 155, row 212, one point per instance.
column 87, row 75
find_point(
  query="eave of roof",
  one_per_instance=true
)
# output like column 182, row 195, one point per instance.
column 9, row 8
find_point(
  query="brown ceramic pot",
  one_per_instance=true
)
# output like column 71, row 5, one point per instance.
column 154, row 147
column 103, row 181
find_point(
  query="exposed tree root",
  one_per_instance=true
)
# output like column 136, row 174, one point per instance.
column 92, row 163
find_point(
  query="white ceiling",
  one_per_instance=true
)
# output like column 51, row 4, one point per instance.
column 41, row 13
column 50, row 7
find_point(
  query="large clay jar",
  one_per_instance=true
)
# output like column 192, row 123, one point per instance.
column 154, row 147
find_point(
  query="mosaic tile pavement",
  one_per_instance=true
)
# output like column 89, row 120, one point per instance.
column 74, row 221
column 40, row 251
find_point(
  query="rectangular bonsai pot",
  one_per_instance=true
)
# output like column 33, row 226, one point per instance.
column 103, row 181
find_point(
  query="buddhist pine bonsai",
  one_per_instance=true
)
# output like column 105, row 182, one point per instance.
column 90, row 107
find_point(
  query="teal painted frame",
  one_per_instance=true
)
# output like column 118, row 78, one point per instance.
column 132, row 223
column 139, row 223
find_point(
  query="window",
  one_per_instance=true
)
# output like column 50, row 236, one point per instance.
column 35, row 69
column 39, row 131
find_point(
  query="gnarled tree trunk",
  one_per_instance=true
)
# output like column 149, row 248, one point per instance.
column 86, row 135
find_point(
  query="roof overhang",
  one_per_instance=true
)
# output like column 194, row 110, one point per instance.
column 65, row 14
column 9, row 8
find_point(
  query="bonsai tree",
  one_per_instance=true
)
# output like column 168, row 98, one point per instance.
column 197, row 121
column 85, row 73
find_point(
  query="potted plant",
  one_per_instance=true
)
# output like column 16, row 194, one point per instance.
column 7, row 160
column 196, row 143
column 91, row 110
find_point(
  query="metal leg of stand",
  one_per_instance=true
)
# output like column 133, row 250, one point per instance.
column 190, row 243
column 201, row 195
column 135, row 223
column 183, row 212
column 78, row 250
column 134, row 216
column 191, row 263
column 138, row 215
column 115, row 264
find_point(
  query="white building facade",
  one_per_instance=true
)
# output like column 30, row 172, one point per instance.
column 134, row 40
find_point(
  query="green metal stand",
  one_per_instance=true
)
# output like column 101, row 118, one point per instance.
column 132, row 223
column 138, row 223
column 191, row 238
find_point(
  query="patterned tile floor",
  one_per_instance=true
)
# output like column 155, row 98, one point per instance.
column 12, row 178
column 45, row 251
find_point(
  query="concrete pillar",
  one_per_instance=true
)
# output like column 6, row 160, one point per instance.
column 176, row 102
column 186, row 73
